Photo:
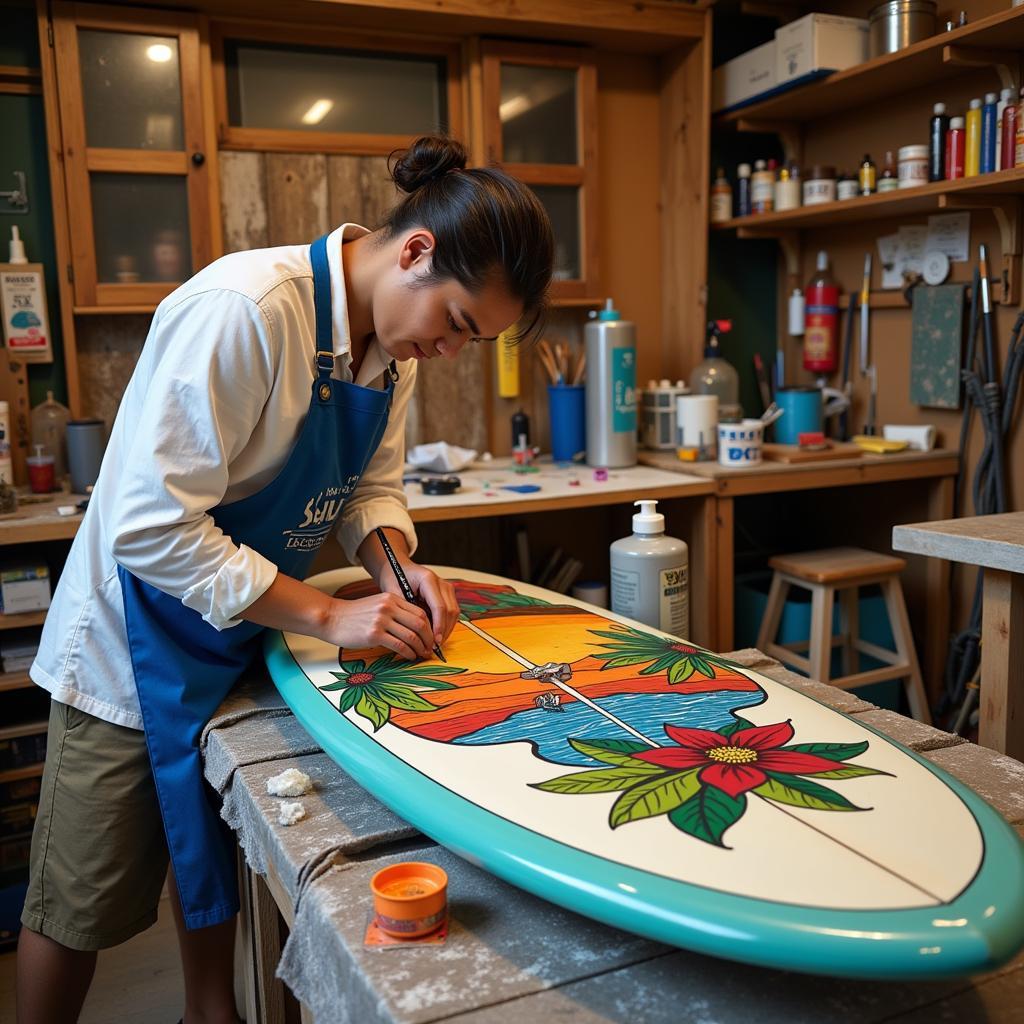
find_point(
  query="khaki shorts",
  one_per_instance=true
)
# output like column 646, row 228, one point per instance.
column 99, row 855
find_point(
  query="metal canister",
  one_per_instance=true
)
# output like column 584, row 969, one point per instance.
column 611, row 389
column 898, row 23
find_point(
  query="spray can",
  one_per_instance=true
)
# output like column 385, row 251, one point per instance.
column 1008, row 148
column 743, row 190
column 650, row 574
column 988, row 134
column 821, row 328
column 611, row 389
column 937, row 129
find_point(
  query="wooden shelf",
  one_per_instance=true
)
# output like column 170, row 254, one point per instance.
column 10, row 732
column 935, row 197
column 15, row 681
column 21, row 620
column 28, row 771
column 942, row 56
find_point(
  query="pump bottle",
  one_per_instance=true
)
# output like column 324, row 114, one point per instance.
column 650, row 574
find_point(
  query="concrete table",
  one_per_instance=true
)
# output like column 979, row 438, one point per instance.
column 996, row 544
column 511, row 957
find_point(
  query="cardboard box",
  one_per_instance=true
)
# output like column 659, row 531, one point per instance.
column 24, row 589
column 744, row 77
column 819, row 43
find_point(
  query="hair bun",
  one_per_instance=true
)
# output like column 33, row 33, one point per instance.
column 429, row 158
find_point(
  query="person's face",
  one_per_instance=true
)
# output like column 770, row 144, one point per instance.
column 414, row 319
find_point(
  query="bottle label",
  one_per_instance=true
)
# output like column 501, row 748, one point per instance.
column 822, row 321
column 624, row 390
column 674, row 590
column 625, row 592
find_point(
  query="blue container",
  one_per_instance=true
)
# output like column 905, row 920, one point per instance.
column 567, row 411
column 751, row 598
column 803, row 413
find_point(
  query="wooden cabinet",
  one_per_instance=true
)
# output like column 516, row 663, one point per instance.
column 137, row 161
column 540, row 124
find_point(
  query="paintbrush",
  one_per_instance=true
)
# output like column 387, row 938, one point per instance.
column 403, row 581
column 581, row 365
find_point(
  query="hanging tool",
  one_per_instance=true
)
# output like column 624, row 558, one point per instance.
column 843, row 422
column 868, row 370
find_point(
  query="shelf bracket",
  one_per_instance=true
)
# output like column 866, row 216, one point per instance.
column 789, row 242
column 977, row 57
column 790, row 133
column 1007, row 212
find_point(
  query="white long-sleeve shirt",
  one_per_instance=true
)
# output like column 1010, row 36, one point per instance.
column 210, row 416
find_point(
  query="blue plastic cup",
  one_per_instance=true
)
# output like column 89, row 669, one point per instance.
column 567, row 411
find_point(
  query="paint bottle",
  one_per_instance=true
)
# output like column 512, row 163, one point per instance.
column 721, row 199
column 988, row 134
column 1008, row 147
column 821, row 327
column 787, row 191
column 867, row 176
column 1006, row 95
column 972, row 156
column 650, row 574
column 937, row 129
column 743, row 190
column 520, row 428
column 888, row 182
column 956, row 146
column 1018, row 146
column 610, row 345
column 762, row 188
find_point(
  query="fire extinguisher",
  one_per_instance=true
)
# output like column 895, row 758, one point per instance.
column 821, row 334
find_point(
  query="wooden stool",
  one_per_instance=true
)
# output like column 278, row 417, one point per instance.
column 844, row 570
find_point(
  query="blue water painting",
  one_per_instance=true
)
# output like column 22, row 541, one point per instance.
column 645, row 712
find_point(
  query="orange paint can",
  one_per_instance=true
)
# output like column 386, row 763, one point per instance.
column 410, row 899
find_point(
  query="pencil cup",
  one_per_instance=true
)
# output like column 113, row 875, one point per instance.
column 86, row 440
column 567, row 413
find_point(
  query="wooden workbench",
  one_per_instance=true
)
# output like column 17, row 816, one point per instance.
column 936, row 470
column 512, row 957
column 995, row 544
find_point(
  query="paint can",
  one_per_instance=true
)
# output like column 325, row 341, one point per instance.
column 410, row 899
column 739, row 444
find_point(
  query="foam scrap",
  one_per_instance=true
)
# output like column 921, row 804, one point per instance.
column 291, row 782
column 291, row 813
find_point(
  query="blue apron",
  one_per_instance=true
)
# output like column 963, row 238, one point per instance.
column 184, row 667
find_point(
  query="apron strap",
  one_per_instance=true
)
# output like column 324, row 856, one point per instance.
column 322, row 308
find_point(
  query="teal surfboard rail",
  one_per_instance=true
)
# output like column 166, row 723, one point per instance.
column 980, row 929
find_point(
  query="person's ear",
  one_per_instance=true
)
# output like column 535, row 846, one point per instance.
column 416, row 251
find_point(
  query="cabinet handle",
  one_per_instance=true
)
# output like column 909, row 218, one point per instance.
column 198, row 159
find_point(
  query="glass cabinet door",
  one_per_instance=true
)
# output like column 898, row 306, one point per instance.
column 540, row 108
column 135, row 157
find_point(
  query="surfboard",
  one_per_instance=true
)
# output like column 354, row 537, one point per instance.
column 653, row 785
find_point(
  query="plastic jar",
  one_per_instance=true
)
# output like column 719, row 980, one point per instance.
column 41, row 476
column 820, row 185
column 913, row 166
column 847, row 186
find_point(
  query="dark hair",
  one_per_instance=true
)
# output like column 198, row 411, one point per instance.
column 482, row 219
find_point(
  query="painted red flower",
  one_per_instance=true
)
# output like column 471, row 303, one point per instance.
column 737, row 763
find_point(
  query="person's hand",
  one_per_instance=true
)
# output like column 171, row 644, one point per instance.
column 384, row 620
column 436, row 593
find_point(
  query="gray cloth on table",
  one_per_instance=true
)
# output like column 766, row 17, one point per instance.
column 342, row 820
column 503, row 944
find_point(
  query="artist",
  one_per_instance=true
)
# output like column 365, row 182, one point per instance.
column 266, row 410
